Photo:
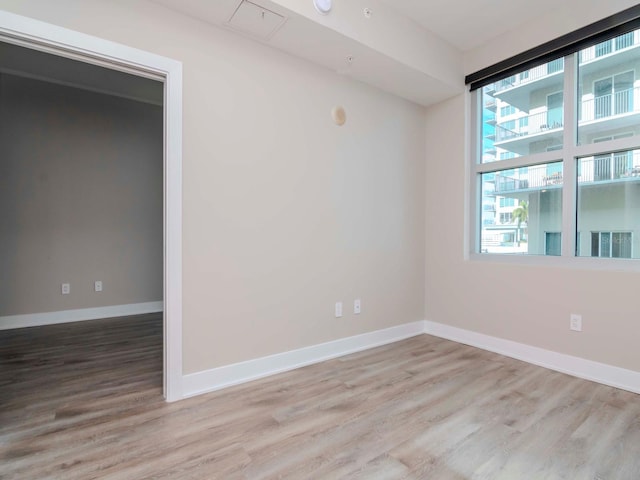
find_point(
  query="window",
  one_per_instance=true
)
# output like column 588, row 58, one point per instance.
column 552, row 243
column 541, row 119
column 613, row 95
column 508, row 110
column 565, row 172
column 506, row 217
column 555, row 110
column 509, row 126
column 611, row 244
column 608, row 204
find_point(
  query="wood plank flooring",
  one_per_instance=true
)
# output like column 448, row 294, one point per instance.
column 83, row 401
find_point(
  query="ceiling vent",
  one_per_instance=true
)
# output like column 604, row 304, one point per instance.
column 255, row 20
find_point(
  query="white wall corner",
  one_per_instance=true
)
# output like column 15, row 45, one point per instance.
column 65, row 316
column 578, row 367
column 235, row 374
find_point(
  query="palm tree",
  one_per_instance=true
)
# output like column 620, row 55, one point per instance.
column 521, row 215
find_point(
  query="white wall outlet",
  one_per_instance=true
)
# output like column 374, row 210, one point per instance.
column 66, row 288
column 98, row 285
column 357, row 306
column 338, row 309
column 575, row 322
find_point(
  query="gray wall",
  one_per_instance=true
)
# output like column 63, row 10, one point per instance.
column 80, row 198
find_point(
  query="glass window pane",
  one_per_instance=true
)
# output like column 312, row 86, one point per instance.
column 609, row 205
column 525, row 210
column 609, row 100
column 524, row 113
column 553, row 243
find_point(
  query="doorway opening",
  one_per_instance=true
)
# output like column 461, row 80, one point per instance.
column 91, row 54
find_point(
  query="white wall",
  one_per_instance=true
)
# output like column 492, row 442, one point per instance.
column 284, row 212
column 80, row 198
column 524, row 303
column 527, row 304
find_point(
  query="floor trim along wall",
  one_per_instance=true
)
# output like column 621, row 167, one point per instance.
column 64, row 316
column 578, row 367
column 229, row 375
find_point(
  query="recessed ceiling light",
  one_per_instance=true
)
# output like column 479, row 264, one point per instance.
column 322, row 6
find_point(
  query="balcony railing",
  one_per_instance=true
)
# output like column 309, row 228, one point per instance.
column 533, row 177
column 617, row 103
column 600, row 50
column 608, row 47
column 614, row 167
column 605, row 106
column 608, row 167
column 531, row 124
column 530, row 75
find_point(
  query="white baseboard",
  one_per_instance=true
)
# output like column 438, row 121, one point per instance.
column 578, row 367
column 229, row 375
column 65, row 316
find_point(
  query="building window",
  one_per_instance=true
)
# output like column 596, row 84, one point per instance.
column 613, row 95
column 531, row 171
column 552, row 244
column 611, row 244
column 507, row 202
column 506, row 217
column 507, row 110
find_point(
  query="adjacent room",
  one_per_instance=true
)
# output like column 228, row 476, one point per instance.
column 384, row 239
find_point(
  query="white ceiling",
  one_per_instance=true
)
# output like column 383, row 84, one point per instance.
column 329, row 40
column 467, row 24
column 415, row 49
column 421, row 40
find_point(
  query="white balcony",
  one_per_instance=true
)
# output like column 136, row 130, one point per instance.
column 545, row 125
column 609, row 52
column 532, row 178
column 613, row 168
column 622, row 166
column 600, row 114
column 516, row 90
column 609, row 112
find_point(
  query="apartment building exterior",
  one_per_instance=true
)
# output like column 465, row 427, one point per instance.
column 524, row 114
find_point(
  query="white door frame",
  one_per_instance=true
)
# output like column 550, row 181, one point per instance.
column 42, row 36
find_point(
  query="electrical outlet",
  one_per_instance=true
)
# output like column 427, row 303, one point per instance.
column 66, row 288
column 575, row 322
column 357, row 307
column 338, row 309
column 98, row 285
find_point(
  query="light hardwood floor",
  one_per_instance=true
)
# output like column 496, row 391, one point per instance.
column 83, row 401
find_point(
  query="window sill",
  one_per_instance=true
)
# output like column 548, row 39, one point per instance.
column 578, row 263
